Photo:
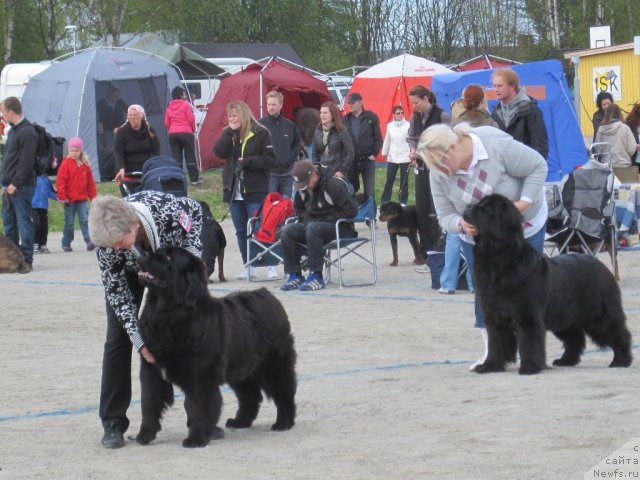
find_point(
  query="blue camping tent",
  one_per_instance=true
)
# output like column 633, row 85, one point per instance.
column 544, row 81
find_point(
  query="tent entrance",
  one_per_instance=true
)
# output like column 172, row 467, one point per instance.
column 113, row 98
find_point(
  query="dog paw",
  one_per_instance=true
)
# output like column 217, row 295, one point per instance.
column 281, row 426
column 487, row 368
column 222, row 279
column 565, row 362
column 418, row 261
column 216, row 434
column 394, row 263
column 235, row 423
column 195, row 442
column 145, row 437
column 529, row 368
column 624, row 363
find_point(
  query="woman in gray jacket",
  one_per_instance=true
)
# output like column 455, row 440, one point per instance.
column 469, row 163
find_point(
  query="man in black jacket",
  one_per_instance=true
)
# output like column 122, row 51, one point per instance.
column 518, row 114
column 426, row 112
column 18, row 178
column 320, row 201
column 364, row 127
column 286, row 144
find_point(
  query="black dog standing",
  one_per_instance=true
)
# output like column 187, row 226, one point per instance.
column 200, row 342
column 403, row 222
column 523, row 294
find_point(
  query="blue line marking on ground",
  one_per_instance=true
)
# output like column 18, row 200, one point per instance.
column 303, row 378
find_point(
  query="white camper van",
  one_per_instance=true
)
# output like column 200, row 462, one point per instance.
column 15, row 76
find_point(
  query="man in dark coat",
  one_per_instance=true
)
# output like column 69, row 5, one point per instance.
column 286, row 145
column 18, row 178
column 364, row 127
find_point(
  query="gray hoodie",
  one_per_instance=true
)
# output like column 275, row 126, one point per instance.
column 622, row 143
column 509, row 110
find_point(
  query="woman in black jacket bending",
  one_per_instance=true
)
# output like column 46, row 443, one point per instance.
column 246, row 147
column 134, row 143
column 332, row 145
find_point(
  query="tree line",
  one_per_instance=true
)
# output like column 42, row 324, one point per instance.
column 328, row 34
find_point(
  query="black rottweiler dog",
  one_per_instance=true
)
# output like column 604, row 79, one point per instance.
column 401, row 221
column 213, row 243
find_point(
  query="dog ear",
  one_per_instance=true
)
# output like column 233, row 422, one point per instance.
column 196, row 287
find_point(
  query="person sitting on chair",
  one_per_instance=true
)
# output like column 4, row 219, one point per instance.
column 319, row 202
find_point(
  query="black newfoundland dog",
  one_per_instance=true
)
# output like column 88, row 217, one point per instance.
column 523, row 294
column 200, row 342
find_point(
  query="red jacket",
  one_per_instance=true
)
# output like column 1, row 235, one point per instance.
column 75, row 182
column 179, row 117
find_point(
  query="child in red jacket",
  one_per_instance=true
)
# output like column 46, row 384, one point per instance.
column 75, row 189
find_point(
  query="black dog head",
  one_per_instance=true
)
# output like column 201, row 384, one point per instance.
column 496, row 218
column 174, row 272
column 389, row 211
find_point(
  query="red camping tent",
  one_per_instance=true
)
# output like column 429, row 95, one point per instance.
column 388, row 83
column 299, row 88
column 483, row 62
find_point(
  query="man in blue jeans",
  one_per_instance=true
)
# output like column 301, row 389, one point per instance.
column 18, row 178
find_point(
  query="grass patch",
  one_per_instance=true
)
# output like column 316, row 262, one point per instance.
column 211, row 192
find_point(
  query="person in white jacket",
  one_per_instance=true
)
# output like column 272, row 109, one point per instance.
column 395, row 149
column 618, row 135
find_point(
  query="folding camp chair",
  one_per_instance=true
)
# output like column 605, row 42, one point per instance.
column 590, row 226
column 341, row 251
column 557, row 215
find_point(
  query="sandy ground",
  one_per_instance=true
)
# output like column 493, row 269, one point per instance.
column 384, row 388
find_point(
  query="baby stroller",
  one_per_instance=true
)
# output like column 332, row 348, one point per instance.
column 162, row 174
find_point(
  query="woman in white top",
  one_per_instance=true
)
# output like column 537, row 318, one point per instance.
column 618, row 135
column 396, row 151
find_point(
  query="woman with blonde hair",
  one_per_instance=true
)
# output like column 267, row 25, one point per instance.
column 249, row 156
column 467, row 164
column 134, row 143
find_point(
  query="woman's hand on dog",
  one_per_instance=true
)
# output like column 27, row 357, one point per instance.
column 144, row 351
column 468, row 228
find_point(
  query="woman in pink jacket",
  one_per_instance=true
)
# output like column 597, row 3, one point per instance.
column 181, row 125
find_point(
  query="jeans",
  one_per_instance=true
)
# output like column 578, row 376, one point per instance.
column 241, row 212
column 17, row 217
column 449, row 275
column 392, row 170
column 184, row 143
column 283, row 184
column 70, row 210
column 536, row 241
column 294, row 236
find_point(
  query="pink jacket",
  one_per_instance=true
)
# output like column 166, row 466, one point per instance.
column 179, row 117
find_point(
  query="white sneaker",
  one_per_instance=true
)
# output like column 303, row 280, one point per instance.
column 247, row 272
column 272, row 273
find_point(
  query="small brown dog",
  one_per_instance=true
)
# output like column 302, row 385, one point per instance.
column 402, row 221
column 11, row 258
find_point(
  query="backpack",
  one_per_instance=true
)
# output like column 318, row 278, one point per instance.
column 48, row 152
column 274, row 212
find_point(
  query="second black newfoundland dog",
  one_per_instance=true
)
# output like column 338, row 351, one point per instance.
column 200, row 342
column 523, row 294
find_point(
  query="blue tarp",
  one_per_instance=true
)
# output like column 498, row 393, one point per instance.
column 546, row 82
